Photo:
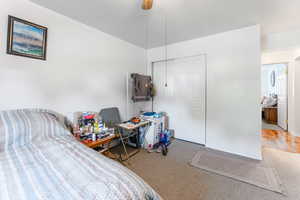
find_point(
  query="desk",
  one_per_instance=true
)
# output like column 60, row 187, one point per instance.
column 130, row 126
column 133, row 131
column 99, row 143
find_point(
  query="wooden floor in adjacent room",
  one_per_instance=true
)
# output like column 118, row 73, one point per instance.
column 282, row 140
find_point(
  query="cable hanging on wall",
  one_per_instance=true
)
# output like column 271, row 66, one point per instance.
column 147, row 41
column 166, row 51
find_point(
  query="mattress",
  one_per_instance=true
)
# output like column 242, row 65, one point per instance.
column 40, row 159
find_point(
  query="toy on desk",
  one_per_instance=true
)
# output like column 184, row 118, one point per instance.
column 135, row 120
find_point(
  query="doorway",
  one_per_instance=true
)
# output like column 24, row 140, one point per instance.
column 274, row 103
column 274, row 96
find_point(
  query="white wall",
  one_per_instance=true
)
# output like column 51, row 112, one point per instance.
column 296, row 107
column 281, row 41
column 85, row 68
column 233, row 95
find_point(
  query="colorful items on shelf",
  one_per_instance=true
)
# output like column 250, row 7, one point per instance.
column 90, row 128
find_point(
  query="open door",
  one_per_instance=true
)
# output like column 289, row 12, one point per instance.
column 275, row 96
column 282, row 96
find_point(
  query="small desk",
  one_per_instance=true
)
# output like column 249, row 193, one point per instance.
column 98, row 143
column 130, row 126
column 133, row 129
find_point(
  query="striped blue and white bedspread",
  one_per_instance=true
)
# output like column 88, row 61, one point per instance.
column 40, row 159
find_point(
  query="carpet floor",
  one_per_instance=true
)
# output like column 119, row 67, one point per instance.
column 257, row 173
column 174, row 179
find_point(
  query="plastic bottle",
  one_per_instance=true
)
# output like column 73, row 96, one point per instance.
column 94, row 137
column 96, row 127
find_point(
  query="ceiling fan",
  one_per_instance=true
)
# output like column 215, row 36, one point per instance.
column 147, row 4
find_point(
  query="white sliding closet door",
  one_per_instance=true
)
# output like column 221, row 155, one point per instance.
column 184, row 97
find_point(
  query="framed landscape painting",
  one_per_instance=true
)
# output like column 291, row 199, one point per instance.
column 26, row 39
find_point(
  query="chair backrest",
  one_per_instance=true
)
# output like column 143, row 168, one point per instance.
column 111, row 116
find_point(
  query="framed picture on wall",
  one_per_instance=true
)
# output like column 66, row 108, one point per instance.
column 26, row 39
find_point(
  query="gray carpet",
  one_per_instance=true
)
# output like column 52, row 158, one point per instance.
column 174, row 179
column 257, row 173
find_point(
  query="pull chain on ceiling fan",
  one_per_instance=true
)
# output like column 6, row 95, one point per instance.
column 147, row 4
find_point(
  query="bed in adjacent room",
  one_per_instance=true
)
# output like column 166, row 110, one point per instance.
column 40, row 159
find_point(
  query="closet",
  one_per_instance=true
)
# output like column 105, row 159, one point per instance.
column 180, row 86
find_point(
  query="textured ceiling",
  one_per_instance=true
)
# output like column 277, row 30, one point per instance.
column 185, row 19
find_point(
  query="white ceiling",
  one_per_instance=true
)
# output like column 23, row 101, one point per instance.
column 186, row 19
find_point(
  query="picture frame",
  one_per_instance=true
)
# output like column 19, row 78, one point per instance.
column 26, row 39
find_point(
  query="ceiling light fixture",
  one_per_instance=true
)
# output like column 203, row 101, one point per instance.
column 147, row 4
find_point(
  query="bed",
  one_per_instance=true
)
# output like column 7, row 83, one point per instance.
column 40, row 159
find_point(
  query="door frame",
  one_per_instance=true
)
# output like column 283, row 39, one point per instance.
column 287, row 88
column 206, row 83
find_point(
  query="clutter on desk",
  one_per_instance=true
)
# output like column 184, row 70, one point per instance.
column 90, row 127
column 133, row 123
